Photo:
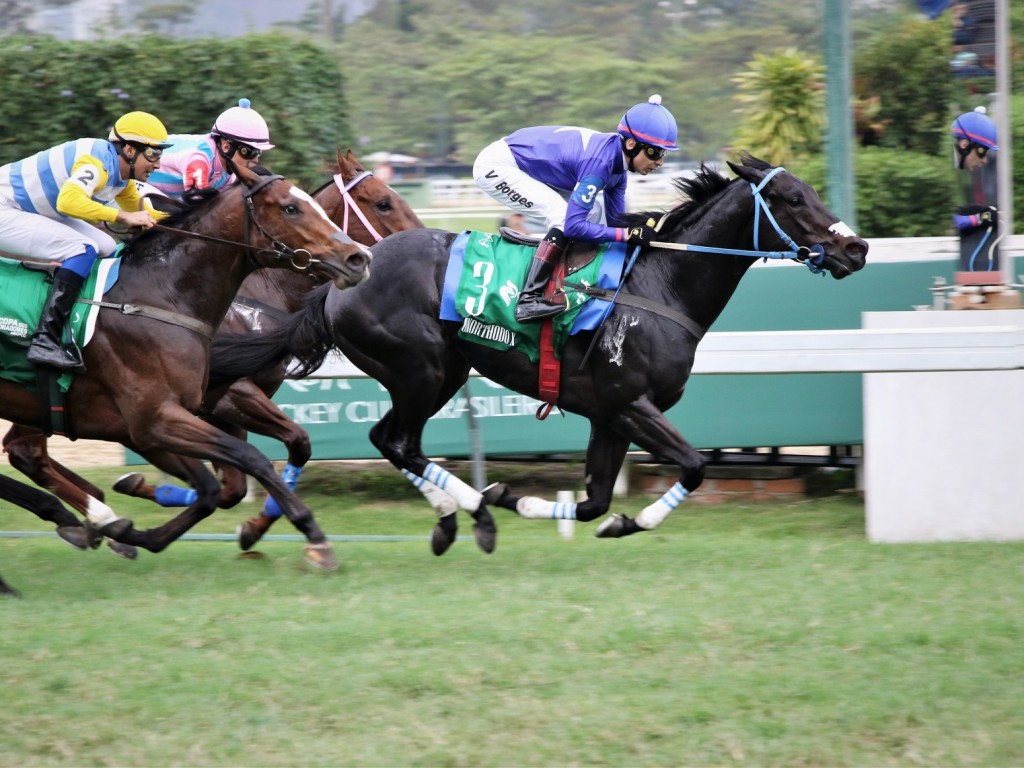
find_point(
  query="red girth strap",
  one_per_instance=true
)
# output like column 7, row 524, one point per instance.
column 549, row 368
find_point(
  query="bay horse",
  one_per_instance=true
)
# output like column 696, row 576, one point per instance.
column 146, row 374
column 642, row 356
column 367, row 210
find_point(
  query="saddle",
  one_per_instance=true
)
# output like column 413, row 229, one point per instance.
column 576, row 257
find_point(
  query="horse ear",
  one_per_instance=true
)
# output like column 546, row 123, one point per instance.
column 746, row 173
column 341, row 164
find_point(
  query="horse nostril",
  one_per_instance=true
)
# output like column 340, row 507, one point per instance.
column 356, row 262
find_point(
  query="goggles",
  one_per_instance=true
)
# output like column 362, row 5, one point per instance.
column 980, row 150
column 152, row 154
column 655, row 153
column 248, row 153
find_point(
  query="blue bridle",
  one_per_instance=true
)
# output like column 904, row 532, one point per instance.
column 802, row 253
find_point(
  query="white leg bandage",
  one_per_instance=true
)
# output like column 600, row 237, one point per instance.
column 99, row 514
column 652, row 516
column 535, row 508
column 465, row 496
column 442, row 503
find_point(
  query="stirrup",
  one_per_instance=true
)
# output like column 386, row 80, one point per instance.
column 539, row 309
column 44, row 352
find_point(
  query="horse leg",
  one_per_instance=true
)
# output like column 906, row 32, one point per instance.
column 644, row 424
column 30, row 445
column 27, row 452
column 7, row 589
column 397, row 436
column 176, row 430
column 246, row 405
column 233, row 483
column 605, row 454
column 47, row 507
column 205, row 489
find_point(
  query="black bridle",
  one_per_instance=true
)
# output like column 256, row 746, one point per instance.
column 300, row 258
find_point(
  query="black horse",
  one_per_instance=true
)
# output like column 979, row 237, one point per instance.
column 623, row 384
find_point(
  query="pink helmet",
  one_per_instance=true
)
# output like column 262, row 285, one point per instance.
column 243, row 124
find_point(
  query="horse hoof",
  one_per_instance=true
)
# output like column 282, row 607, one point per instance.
column 484, row 530
column 252, row 530
column 127, row 551
column 610, row 528
column 116, row 529
column 129, row 484
column 95, row 538
column 494, row 493
column 321, row 556
column 75, row 535
column 443, row 535
column 617, row 526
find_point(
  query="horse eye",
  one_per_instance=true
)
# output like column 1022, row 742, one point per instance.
column 384, row 206
column 291, row 209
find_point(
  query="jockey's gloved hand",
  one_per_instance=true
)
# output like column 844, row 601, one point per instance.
column 640, row 235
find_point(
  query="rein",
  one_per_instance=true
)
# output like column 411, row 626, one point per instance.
column 300, row 258
column 801, row 253
column 278, row 250
column 351, row 203
column 797, row 253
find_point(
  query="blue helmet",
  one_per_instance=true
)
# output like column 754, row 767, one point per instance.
column 976, row 127
column 650, row 123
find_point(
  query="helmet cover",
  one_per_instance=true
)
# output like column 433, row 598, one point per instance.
column 976, row 127
column 650, row 123
column 140, row 128
column 243, row 124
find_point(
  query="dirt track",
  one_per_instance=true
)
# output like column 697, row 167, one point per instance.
column 81, row 453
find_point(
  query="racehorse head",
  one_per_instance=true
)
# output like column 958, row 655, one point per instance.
column 285, row 227
column 366, row 208
column 799, row 215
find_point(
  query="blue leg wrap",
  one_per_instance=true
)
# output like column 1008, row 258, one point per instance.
column 173, row 496
column 290, row 476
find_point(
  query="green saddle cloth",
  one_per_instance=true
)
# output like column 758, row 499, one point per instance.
column 493, row 270
column 21, row 304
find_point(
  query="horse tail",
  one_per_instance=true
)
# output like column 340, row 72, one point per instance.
column 303, row 337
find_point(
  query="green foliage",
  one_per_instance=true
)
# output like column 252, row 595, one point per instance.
column 71, row 90
column 782, row 114
column 898, row 193
column 907, row 67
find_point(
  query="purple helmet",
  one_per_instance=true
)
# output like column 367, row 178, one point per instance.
column 243, row 124
column 650, row 123
column 976, row 127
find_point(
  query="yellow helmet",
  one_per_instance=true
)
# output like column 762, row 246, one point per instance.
column 140, row 128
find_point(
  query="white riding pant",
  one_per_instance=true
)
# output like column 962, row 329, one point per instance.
column 496, row 173
column 39, row 237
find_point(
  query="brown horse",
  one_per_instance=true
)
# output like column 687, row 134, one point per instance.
column 367, row 210
column 146, row 377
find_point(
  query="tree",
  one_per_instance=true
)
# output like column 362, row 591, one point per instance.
column 906, row 68
column 783, row 106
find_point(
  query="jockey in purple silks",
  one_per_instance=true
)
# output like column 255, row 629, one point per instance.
column 558, row 174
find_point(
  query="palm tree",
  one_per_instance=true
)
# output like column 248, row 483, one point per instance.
column 783, row 112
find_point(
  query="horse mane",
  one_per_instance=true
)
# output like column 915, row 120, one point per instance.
column 190, row 211
column 698, row 192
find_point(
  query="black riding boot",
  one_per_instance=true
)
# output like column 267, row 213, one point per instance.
column 47, row 348
column 532, row 305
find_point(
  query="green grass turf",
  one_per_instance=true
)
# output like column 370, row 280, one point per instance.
column 748, row 634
